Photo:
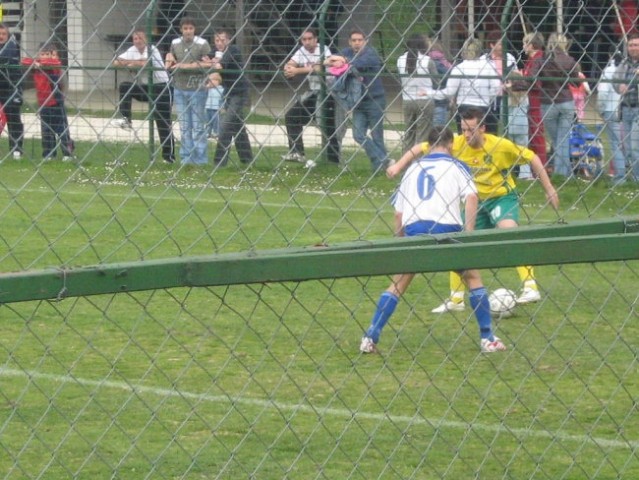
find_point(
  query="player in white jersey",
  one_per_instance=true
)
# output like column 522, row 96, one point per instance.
column 428, row 202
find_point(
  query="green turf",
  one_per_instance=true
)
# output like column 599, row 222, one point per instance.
column 265, row 381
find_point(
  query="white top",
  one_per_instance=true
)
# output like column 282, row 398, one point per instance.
column 141, row 77
column 304, row 58
column 465, row 85
column 608, row 99
column 415, row 86
column 214, row 98
column 432, row 189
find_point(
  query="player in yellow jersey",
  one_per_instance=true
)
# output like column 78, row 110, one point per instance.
column 491, row 160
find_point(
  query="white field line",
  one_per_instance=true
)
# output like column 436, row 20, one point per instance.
column 520, row 433
column 147, row 196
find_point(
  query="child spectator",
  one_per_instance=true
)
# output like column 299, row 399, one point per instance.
column 214, row 102
column 47, row 76
column 580, row 94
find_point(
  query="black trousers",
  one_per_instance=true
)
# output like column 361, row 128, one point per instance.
column 12, row 103
column 233, row 126
column 162, row 100
column 301, row 113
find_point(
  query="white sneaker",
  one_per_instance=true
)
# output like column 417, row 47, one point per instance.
column 294, row 157
column 122, row 123
column 68, row 158
column 367, row 345
column 528, row 295
column 490, row 347
column 17, row 155
column 449, row 306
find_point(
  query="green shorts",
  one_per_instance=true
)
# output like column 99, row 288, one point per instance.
column 494, row 210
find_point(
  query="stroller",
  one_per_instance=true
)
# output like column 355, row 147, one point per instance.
column 586, row 152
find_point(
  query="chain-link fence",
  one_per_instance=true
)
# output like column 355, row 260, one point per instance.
column 266, row 380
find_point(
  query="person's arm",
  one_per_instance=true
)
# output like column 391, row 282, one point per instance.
column 538, row 169
column 399, row 230
column 415, row 152
column 471, row 204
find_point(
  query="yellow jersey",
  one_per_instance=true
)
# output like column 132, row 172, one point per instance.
column 491, row 165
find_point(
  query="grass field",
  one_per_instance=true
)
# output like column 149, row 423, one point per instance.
column 266, row 381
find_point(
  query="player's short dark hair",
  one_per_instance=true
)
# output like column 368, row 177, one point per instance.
column 440, row 136
column 474, row 113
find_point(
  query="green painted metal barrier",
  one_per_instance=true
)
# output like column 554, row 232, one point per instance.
column 605, row 241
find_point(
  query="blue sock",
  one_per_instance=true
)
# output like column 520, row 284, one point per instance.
column 479, row 302
column 385, row 308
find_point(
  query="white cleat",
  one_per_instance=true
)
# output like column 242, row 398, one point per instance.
column 493, row 346
column 367, row 345
column 449, row 306
column 528, row 295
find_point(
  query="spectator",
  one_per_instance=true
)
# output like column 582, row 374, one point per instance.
column 441, row 111
column 47, row 77
column 307, row 61
column 609, row 106
column 368, row 114
column 214, row 102
column 450, row 183
column 496, row 58
column 417, row 71
column 556, row 70
column 228, row 60
column 628, row 75
column 580, row 94
column 187, row 60
column 534, row 49
column 491, row 160
column 472, row 83
column 11, row 90
column 517, row 128
column 138, row 58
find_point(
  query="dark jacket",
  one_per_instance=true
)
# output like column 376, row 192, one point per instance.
column 10, row 72
column 556, row 70
column 626, row 73
column 370, row 66
column 233, row 78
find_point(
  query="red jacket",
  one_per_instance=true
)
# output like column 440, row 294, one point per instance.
column 46, row 80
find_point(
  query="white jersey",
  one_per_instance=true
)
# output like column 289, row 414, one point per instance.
column 472, row 82
column 416, row 86
column 141, row 77
column 432, row 189
column 304, row 58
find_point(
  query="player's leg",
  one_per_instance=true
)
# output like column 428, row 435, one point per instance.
column 505, row 214
column 385, row 307
column 478, row 298
column 455, row 303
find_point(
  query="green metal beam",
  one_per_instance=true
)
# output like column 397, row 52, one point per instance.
column 580, row 243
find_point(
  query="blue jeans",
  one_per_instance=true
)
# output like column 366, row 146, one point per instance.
column 612, row 127
column 369, row 114
column 213, row 121
column 441, row 113
column 192, row 117
column 55, row 128
column 558, row 118
column 630, row 122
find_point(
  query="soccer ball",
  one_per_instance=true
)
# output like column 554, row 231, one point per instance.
column 502, row 302
column 310, row 164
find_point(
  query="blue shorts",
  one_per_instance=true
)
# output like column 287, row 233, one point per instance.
column 428, row 227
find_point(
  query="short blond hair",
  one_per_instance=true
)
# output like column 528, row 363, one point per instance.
column 558, row 41
column 472, row 49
